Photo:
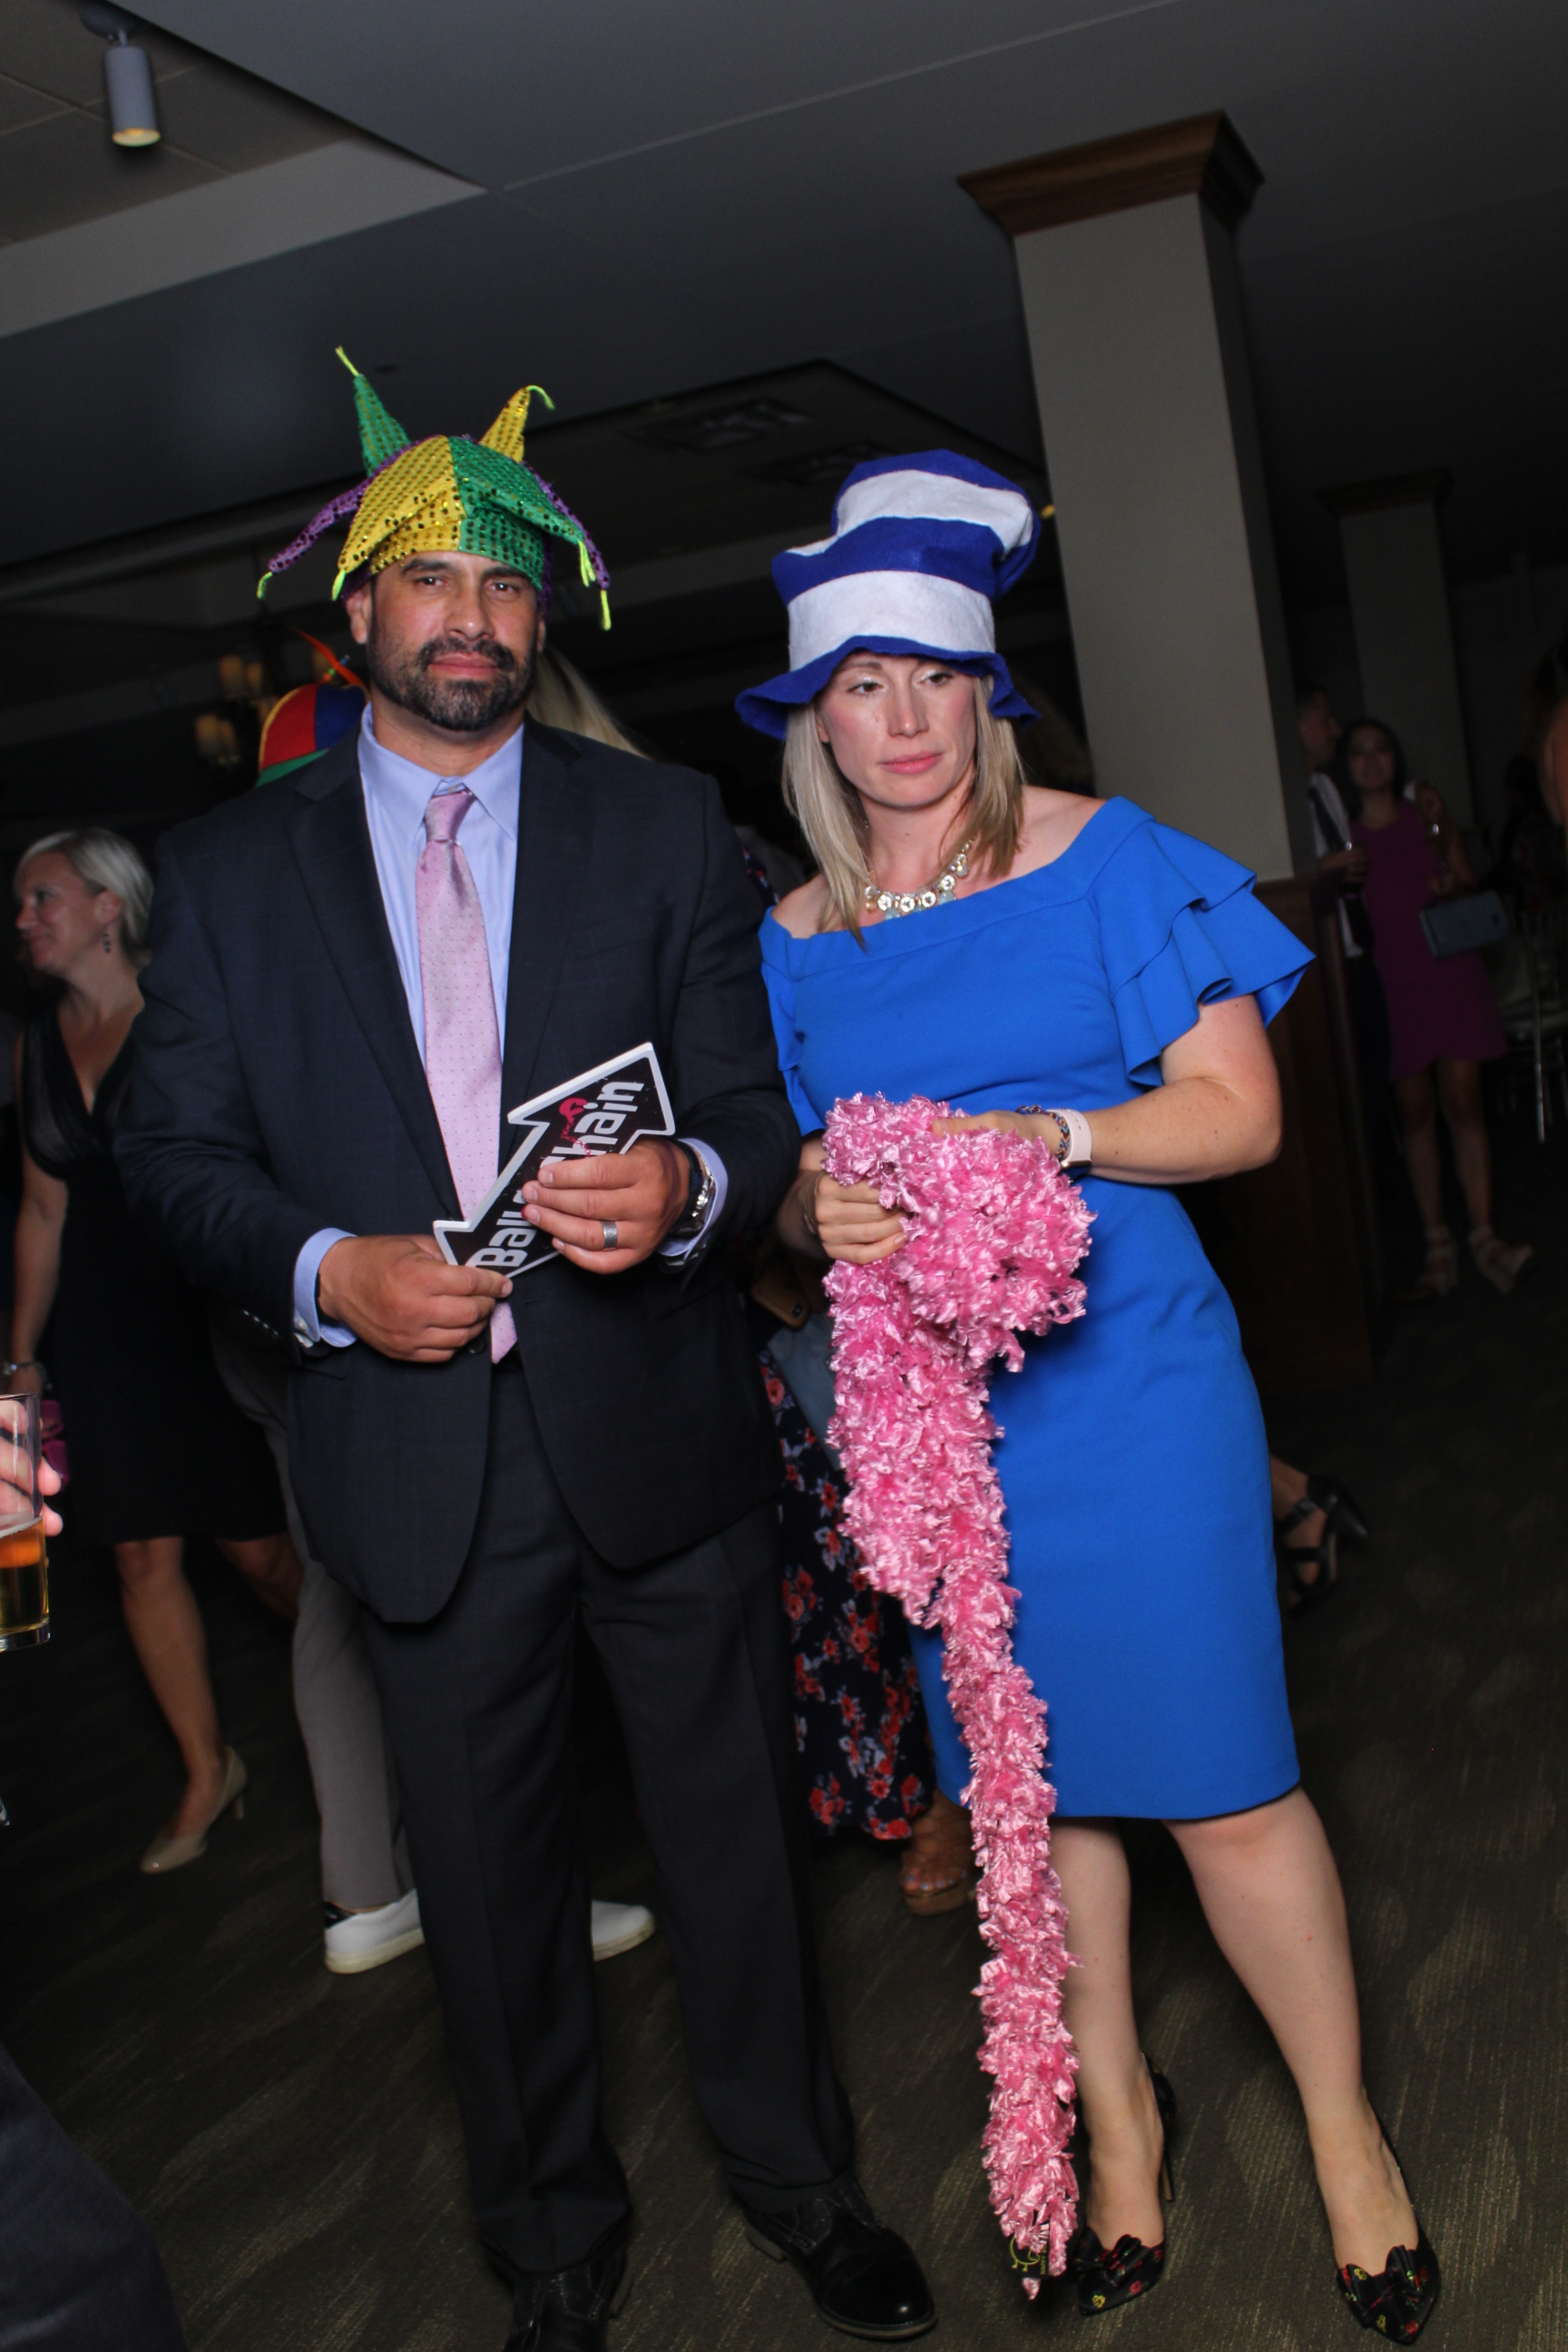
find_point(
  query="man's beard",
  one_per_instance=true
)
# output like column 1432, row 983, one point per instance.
column 463, row 706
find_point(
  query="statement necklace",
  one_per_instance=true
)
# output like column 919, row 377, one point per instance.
column 913, row 902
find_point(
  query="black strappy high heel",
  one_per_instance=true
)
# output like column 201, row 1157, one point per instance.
column 1308, row 1593
column 1398, row 2300
column 1131, row 2268
column 1339, row 1506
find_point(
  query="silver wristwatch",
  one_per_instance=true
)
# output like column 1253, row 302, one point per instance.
column 698, row 1198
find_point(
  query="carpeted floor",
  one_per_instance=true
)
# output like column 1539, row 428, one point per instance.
column 292, row 2138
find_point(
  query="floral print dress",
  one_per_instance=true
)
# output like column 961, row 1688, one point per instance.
column 859, row 1724
column 859, row 1719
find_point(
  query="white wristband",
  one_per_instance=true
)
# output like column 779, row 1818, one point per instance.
column 1077, row 1137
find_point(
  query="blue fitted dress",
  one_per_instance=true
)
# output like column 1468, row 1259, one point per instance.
column 1133, row 1461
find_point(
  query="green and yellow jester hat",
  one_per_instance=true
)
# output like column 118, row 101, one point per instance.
column 448, row 495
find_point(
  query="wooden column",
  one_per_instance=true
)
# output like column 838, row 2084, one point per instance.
column 1128, row 278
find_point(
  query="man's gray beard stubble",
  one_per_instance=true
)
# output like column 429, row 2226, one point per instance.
column 463, row 706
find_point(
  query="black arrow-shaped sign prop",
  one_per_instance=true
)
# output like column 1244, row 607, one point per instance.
column 603, row 1110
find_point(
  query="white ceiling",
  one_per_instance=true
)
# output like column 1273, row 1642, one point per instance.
column 687, row 193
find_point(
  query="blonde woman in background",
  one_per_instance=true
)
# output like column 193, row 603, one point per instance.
column 157, row 1451
column 562, row 697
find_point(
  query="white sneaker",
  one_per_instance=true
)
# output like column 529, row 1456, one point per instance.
column 620, row 1928
column 365, row 1939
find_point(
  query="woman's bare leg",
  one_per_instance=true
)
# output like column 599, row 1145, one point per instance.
column 170, row 1640
column 1272, row 1894
column 1287, row 1484
column 1459, row 1092
column 270, row 1566
column 1115, row 2096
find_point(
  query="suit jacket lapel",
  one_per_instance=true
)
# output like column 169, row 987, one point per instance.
column 554, row 837
column 331, row 840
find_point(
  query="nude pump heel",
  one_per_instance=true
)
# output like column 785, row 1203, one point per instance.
column 166, row 1854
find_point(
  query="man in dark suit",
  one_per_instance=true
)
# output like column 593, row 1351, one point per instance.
column 354, row 973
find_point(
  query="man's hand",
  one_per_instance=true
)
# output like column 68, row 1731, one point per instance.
column 397, row 1293
column 1347, row 867
column 641, row 1192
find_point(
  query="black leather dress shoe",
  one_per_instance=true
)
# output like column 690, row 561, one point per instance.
column 569, row 2311
column 863, row 2278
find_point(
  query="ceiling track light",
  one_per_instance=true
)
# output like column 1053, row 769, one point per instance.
column 127, row 78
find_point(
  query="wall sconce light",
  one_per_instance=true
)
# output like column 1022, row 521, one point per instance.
column 127, row 78
column 218, row 745
column 241, row 680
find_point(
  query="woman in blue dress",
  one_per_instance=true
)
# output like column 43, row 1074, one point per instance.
column 1072, row 970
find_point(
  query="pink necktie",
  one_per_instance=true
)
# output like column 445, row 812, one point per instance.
column 462, row 1039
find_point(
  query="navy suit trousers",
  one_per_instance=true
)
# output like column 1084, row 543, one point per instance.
column 477, row 1703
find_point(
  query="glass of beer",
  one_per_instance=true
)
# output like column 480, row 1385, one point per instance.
column 23, row 1559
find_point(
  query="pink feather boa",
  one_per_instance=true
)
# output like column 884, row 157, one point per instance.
column 995, row 1232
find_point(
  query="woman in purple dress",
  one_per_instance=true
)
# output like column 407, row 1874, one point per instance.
column 1441, row 1011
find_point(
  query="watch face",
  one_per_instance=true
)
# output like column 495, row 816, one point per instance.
column 698, row 1193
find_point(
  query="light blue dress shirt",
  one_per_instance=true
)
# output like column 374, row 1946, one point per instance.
column 396, row 794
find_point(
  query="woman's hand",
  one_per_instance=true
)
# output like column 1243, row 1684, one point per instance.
column 49, row 1483
column 851, row 1223
column 16, row 1483
column 1349, row 866
column 1447, row 840
column 825, row 1219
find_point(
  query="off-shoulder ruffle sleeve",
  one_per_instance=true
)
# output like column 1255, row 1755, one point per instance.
column 1179, row 928
column 780, row 982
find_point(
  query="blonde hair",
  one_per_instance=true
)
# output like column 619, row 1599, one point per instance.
column 562, row 697
column 102, row 860
column 827, row 809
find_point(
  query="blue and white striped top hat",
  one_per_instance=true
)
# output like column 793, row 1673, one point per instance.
column 918, row 548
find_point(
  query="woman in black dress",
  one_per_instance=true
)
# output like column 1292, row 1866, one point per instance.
column 157, row 1451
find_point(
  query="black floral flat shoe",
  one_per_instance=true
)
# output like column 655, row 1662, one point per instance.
column 1104, row 2280
column 1131, row 2268
column 1398, row 2300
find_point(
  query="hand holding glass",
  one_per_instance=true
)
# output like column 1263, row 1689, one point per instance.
column 25, row 1520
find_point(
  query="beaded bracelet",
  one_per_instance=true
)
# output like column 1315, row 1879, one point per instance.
column 1065, row 1121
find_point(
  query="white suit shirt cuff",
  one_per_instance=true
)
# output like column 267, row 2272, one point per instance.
column 309, row 1329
